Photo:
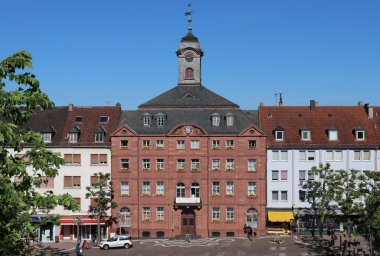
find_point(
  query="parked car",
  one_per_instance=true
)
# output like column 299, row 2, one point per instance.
column 117, row 241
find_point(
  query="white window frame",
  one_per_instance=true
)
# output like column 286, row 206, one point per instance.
column 215, row 120
column 279, row 135
column 146, row 188
column 307, row 155
column 215, row 164
column 181, row 164
column 160, row 121
column 251, row 188
column 73, row 137
column 230, row 164
column 281, row 175
column 146, row 213
column 160, row 214
column 284, row 192
column 282, row 155
column 215, row 214
column 145, row 144
column 160, row 164
column 159, row 144
column 306, row 135
column 230, row 188
column 125, row 142
column 99, row 137
column 124, row 162
column 252, row 165
column 181, row 144
column 229, row 144
column 216, row 144
column 124, row 188
column 334, row 155
column 147, row 120
column 215, row 188
column 146, row 164
column 160, row 188
column 230, row 214
column 230, row 120
column 357, row 135
column 274, row 173
column 194, row 144
column 333, row 135
column 46, row 137
column 275, row 192
column 195, row 164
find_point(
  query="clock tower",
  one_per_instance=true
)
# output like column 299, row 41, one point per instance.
column 189, row 58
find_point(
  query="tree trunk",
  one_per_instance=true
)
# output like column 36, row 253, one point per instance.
column 99, row 233
column 321, row 224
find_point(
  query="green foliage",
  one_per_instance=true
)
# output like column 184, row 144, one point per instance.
column 102, row 193
column 18, row 201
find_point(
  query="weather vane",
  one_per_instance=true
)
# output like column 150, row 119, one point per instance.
column 188, row 14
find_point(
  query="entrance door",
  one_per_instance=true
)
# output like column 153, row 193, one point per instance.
column 188, row 222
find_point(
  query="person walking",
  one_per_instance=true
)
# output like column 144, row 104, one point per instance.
column 78, row 250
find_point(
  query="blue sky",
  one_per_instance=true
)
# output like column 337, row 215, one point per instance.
column 93, row 52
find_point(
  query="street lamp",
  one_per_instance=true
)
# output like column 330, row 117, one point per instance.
column 78, row 221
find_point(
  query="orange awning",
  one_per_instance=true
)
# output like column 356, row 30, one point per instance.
column 280, row 216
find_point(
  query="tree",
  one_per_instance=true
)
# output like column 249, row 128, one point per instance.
column 103, row 199
column 320, row 194
column 19, row 200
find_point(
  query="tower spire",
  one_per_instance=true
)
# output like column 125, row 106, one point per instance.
column 188, row 14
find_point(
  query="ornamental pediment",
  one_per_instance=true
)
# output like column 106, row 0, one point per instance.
column 188, row 130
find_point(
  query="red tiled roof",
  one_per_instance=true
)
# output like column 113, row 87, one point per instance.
column 90, row 123
column 294, row 118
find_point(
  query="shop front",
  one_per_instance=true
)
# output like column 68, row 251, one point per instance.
column 280, row 222
column 82, row 228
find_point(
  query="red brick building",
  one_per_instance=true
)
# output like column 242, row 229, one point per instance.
column 189, row 161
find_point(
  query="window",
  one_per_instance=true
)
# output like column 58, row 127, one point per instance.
column 78, row 119
column 360, row 135
column 230, row 188
column 160, row 121
column 251, row 188
column 275, row 175
column 180, row 190
column 215, row 119
column 124, row 188
column 146, row 164
column 98, row 159
column 147, row 119
column 160, row 164
column 230, row 164
column 146, row 188
column 215, row 164
column 73, row 137
column 189, row 73
column 362, row 155
column 124, row 164
column 99, row 137
column 47, row 182
column 284, row 195
column 229, row 144
column 333, row 134
column 280, row 155
column 181, row 164
column 194, row 190
column 230, row 119
column 302, row 176
column 310, row 175
column 95, row 181
column 124, row 144
column 159, row 144
column 216, row 144
column 302, row 195
column 160, row 188
column 72, row 159
column 308, row 155
column 274, row 195
column 230, row 214
column 46, row 137
column 180, row 144
column 251, row 144
column 284, row 175
column 252, row 218
column 279, row 135
column 194, row 164
column 103, row 119
column 146, row 214
column 334, row 155
column 252, row 164
column 160, row 214
column 305, row 135
column 215, row 214
column 146, row 144
column 71, row 181
column 194, row 144
column 215, row 188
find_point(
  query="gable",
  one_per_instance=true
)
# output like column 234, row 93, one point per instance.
column 252, row 131
column 124, row 130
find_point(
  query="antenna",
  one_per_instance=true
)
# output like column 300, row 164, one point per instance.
column 275, row 95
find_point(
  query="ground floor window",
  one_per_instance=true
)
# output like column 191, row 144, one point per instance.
column 160, row 234
column 146, row 234
column 230, row 234
column 215, row 234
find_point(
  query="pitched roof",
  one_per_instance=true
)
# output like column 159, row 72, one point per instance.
column 90, row 124
column 318, row 120
column 183, row 96
column 201, row 117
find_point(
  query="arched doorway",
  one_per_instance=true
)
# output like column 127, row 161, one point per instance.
column 252, row 218
column 188, row 222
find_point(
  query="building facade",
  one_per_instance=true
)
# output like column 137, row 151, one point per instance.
column 189, row 161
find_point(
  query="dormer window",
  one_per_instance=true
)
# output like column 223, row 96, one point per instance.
column 189, row 74
column 46, row 137
column 305, row 134
column 333, row 133
column 215, row 118
column 160, row 119
column 147, row 119
column 73, row 135
column 99, row 135
column 359, row 133
column 103, row 119
column 279, row 133
column 230, row 119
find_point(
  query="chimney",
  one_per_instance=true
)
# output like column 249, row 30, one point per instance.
column 313, row 104
column 360, row 104
column 118, row 104
column 369, row 110
column 261, row 104
column 280, row 103
column 71, row 106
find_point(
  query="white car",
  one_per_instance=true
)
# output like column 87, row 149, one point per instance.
column 117, row 241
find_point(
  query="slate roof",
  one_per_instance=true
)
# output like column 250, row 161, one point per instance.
column 201, row 117
column 183, row 96
column 49, row 120
column 90, row 124
column 294, row 118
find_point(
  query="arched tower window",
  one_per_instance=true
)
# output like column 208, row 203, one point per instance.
column 189, row 73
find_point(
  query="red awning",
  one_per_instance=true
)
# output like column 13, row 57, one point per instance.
column 83, row 222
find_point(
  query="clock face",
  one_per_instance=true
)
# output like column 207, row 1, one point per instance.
column 189, row 57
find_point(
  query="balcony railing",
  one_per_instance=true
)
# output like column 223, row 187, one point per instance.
column 187, row 201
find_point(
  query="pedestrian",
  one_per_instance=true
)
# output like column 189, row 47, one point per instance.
column 245, row 228
column 85, row 245
column 250, row 232
column 78, row 250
